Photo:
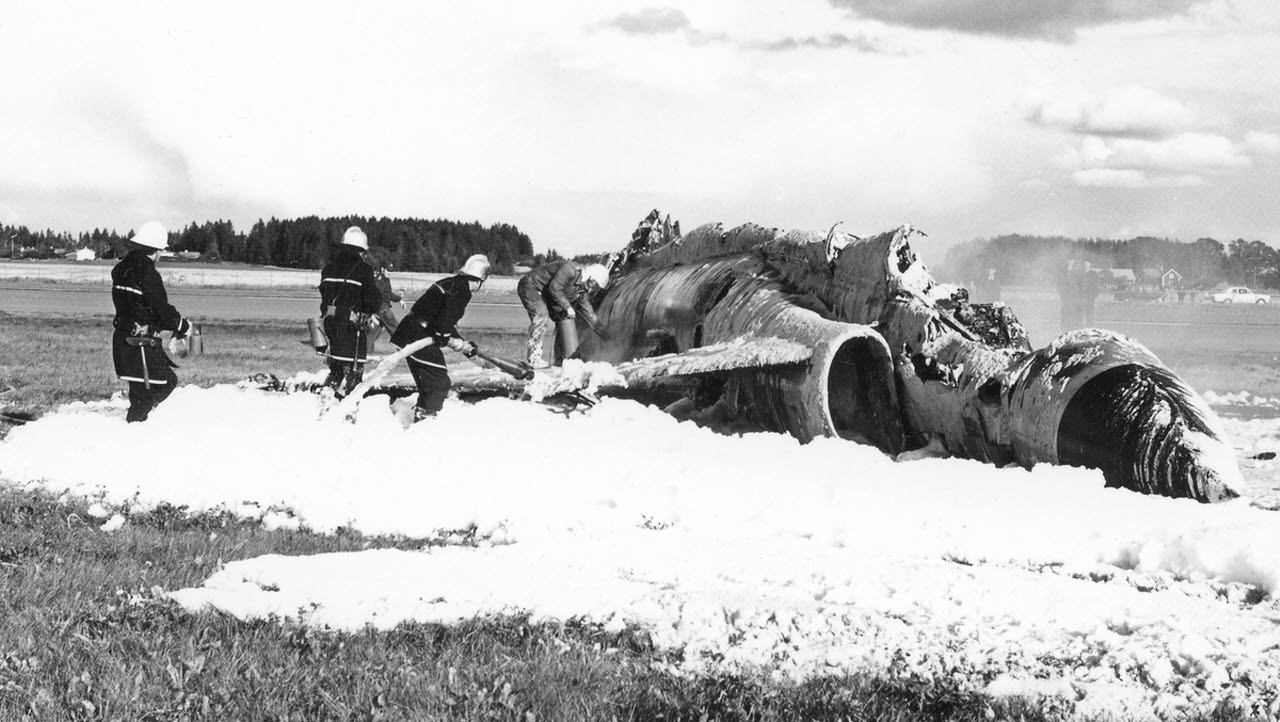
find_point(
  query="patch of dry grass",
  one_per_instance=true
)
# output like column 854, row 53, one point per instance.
column 50, row 360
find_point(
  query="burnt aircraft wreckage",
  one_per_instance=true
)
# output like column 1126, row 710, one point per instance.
column 825, row 333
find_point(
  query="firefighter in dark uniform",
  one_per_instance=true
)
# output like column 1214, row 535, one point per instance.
column 377, row 258
column 436, row 314
column 142, row 312
column 550, row 293
column 349, row 300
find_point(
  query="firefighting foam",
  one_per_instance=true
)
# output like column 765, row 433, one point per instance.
column 750, row 552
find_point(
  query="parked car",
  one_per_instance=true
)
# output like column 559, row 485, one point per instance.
column 1240, row 294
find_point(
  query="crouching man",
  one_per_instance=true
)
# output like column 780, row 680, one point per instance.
column 349, row 300
column 142, row 312
column 436, row 314
column 550, row 294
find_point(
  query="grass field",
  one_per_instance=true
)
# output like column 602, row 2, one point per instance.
column 1212, row 347
column 86, row 634
column 53, row 359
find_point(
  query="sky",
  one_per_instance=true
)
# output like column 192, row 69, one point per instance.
column 573, row 118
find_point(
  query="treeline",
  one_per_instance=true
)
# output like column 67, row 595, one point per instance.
column 582, row 258
column 411, row 244
column 1204, row 263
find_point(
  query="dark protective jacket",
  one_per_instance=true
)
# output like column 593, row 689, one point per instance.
column 561, row 287
column 347, row 286
column 436, row 313
column 142, row 311
column 383, row 283
column 348, row 296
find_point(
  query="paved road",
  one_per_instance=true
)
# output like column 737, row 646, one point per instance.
column 227, row 305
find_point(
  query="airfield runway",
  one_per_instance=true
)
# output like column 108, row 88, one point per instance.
column 487, row 311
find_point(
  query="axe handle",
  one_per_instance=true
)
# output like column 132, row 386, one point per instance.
column 146, row 373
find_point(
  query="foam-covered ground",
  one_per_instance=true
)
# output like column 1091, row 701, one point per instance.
column 748, row 552
column 1253, row 423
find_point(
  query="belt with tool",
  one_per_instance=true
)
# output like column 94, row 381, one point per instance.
column 142, row 338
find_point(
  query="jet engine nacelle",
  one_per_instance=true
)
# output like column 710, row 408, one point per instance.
column 826, row 378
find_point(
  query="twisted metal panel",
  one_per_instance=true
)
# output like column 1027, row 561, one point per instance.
column 1002, row 404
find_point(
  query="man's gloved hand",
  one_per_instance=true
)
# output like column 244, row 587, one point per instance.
column 463, row 346
column 401, row 302
column 571, row 315
column 178, row 344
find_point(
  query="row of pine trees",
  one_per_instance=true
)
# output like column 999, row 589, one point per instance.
column 409, row 244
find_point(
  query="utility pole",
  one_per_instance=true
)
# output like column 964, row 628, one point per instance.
column 11, row 237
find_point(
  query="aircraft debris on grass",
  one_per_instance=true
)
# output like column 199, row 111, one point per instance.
column 824, row 333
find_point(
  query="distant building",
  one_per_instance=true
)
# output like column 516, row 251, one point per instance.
column 1171, row 279
column 1122, row 274
column 1149, row 276
column 188, row 255
column 82, row 254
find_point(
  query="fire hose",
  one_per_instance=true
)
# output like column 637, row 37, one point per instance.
column 520, row 370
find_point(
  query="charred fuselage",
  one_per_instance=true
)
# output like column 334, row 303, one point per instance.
column 870, row 347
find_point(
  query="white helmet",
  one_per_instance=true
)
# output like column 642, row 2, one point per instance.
column 476, row 267
column 597, row 274
column 355, row 237
column 152, row 235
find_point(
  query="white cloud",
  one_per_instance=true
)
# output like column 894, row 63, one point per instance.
column 1262, row 143
column 1184, row 152
column 546, row 116
column 1131, row 178
column 650, row 21
column 1130, row 110
column 1182, row 161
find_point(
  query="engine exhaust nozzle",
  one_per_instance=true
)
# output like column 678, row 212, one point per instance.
column 1103, row 401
